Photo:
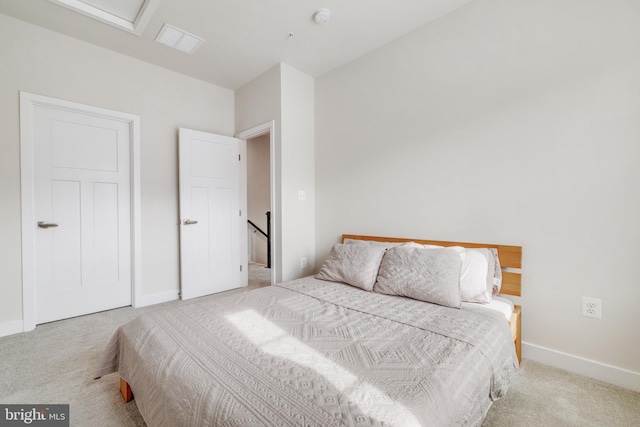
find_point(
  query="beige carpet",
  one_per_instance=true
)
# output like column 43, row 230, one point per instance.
column 544, row 396
column 54, row 364
column 259, row 274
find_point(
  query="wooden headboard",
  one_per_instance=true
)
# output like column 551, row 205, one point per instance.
column 510, row 257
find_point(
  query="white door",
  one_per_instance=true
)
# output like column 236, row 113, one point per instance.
column 211, row 236
column 82, row 207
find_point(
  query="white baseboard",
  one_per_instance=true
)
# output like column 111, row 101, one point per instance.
column 17, row 326
column 12, row 327
column 579, row 365
column 158, row 298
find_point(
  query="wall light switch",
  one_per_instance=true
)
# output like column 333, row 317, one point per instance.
column 302, row 195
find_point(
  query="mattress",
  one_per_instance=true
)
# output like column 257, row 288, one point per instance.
column 312, row 352
column 498, row 304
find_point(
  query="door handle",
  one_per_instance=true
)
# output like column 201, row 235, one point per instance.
column 189, row 222
column 44, row 224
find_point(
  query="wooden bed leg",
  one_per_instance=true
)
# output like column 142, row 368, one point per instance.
column 125, row 391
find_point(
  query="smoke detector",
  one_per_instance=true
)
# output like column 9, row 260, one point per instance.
column 322, row 16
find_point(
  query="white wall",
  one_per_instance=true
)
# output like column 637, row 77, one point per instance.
column 46, row 63
column 298, row 172
column 510, row 122
column 256, row 103
column 286, row 95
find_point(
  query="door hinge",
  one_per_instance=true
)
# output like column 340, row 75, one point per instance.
column 240, row 267
column 240, row 212
column 238, row 157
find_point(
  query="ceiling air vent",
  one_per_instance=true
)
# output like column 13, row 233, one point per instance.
column 178, row 39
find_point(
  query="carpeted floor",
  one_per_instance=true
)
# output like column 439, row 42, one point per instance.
column 541, row 395
column 54, row 364
column 259, row 274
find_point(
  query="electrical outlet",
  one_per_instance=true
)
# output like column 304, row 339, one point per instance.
column 303, row 262
column 592, row 307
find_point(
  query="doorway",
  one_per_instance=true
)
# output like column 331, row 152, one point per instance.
column 259, row 209
column 262, row 212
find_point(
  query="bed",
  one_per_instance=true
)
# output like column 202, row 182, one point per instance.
column 318, row 352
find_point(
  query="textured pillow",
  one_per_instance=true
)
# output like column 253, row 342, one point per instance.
column 431, row 275
column 385, row 245
column 481, row 275
column 356, row 265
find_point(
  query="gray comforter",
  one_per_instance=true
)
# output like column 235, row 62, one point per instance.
column 313, row 353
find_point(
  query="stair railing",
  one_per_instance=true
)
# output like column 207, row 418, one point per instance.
column 267, row 235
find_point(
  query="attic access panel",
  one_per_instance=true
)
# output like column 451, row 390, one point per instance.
column 129, row 15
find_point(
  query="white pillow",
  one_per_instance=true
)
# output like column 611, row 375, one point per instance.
column 420, row 245
column 356, row 265
column 476, row 279
column 497, row 273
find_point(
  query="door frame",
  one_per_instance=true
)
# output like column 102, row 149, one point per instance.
column 28, row 102
column 268, row 127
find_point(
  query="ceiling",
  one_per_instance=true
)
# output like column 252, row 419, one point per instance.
column 244, row 38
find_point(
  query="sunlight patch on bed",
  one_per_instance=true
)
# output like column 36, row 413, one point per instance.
column 273, row 340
